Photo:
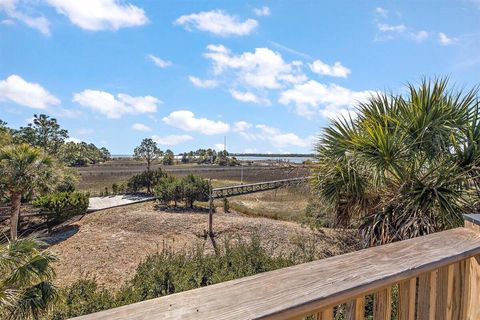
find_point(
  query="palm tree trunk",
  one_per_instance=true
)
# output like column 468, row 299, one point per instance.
column 15, row 215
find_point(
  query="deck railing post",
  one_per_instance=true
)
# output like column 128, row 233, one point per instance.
column 210, row 210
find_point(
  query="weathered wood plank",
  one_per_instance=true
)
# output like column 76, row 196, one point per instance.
column 407, row 291
column 382, row 306
column 298, row 290
column 427, row 295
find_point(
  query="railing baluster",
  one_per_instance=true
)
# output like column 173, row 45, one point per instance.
column 383, row 304
column 406, row 299
column 326, row 314
column 471, row 294
column 355, row 309
column 444, row 293
column 427, row 295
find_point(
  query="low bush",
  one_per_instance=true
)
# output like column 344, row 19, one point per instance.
column 145, row 180
column 60, row 206
column 188, row 189
column 169, row 272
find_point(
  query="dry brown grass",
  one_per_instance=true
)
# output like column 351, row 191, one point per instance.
column 108, row 245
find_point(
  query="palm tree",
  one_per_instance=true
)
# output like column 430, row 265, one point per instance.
column 406, row 165
column 26, row 274
column 24, row 169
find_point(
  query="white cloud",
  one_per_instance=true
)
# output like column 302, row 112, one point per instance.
column 115, row 106
column 141, row 127
column 203, row 83
column 263, row 11
column 240, row 126
column 261, row 69
column 29, row 94
column 272, row 135
column 217, row 22
column 381, row 12
column 337, row 70
column 39, row 23
column 445, row 40
column 279, row 139
column 159, row 62
column 95, row 15
column 173, row 139
column 419, row 36
column 248, row 97
column 330, row 100
column 391, row 28
column 185, row 120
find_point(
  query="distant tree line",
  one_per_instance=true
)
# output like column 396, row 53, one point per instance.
column 46, row 134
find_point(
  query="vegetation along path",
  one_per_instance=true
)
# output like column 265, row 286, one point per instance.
column 109, row 244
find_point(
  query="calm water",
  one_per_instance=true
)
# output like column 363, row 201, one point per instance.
column 284, row 159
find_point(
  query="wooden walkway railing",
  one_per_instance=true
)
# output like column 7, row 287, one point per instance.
column 434, row 277
column 236, row 190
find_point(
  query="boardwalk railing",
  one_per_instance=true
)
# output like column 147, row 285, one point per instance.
column 433, row 277
column 236, row 190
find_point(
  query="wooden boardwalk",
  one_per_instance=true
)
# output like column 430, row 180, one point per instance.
column 237, row 190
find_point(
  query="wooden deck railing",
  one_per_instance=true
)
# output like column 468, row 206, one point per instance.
column 433, row 277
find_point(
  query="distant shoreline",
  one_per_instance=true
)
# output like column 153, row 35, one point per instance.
column 260, row 155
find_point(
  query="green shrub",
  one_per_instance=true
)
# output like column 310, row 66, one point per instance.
column 60, row 206
column 195, row 188
column 145, row 180
column 169, row 189
column 169, row 272
column 189, row 189
column 114, row 188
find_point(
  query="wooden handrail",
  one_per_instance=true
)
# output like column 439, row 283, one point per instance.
column 313, row 288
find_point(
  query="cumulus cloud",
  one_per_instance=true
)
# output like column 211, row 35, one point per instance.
column 203, row 83
column 172, row 140
column 28, row 94
column 248, row 97
column 186, row 120
column 115, row 106
column 141, row 127
column 10, row 7
column 240, row 126
column 95, row 15
column 445, row 40
column 159, row 62
column 261, row 69
column 217, row 22
column 419, row 36
column 337, row 70
column 261, row 12
column 280, row 139
column 330, row 100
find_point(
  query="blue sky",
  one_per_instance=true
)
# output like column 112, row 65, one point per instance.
column 268, row 75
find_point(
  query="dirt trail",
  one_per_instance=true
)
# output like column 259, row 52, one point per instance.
column 108, row 245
